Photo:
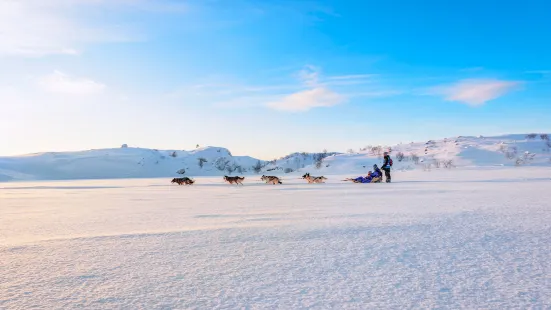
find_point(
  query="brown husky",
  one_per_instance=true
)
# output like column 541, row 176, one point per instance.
column 237, row 180
column 271, row 179
column 312, row 179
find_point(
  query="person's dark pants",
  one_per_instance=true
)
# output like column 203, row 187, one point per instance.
column 387, row 174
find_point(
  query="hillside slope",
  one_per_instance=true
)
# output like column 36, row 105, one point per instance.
column 123, row 163
column 507, row 150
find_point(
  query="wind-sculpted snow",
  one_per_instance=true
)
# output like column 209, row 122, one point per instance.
column 466, row 238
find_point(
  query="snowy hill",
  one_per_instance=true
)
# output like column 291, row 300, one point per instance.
column 297, row 161
column 125, row 162
column 506, row 150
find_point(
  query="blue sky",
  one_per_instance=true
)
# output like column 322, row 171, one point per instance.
column 265, row 78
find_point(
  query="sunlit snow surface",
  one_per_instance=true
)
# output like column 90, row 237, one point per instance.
column 454, row 239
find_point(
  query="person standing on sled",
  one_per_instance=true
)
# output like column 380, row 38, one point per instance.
column 386, row 166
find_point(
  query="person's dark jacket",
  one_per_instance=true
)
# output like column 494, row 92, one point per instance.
column 386, row 163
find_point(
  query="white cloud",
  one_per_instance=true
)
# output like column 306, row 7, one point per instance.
column 311, row 76
column 308, row 99
column 35, row 28
column 59, row 82
column 476, row 92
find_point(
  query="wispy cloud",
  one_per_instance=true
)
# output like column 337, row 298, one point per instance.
column 476, row 92
column 35, row 28
column 61, row 83
column 311, row 89
column 308, row 99
column 315, row 96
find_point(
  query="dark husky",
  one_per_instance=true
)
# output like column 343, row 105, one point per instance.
column 184, row 180
column 237, row 180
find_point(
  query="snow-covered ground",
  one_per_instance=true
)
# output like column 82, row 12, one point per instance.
column 464, row 238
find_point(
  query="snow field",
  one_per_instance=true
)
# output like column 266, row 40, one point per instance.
column 463, row 238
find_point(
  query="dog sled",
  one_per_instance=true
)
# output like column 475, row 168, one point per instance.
column 364, row 180
column 371, row 177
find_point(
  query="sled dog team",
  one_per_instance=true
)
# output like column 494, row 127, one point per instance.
column 269, row 179
column 375, row 176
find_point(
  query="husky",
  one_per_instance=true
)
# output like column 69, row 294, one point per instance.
column 271, row 179
column 184, row 180
column 237, row 180
column 312, row 179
